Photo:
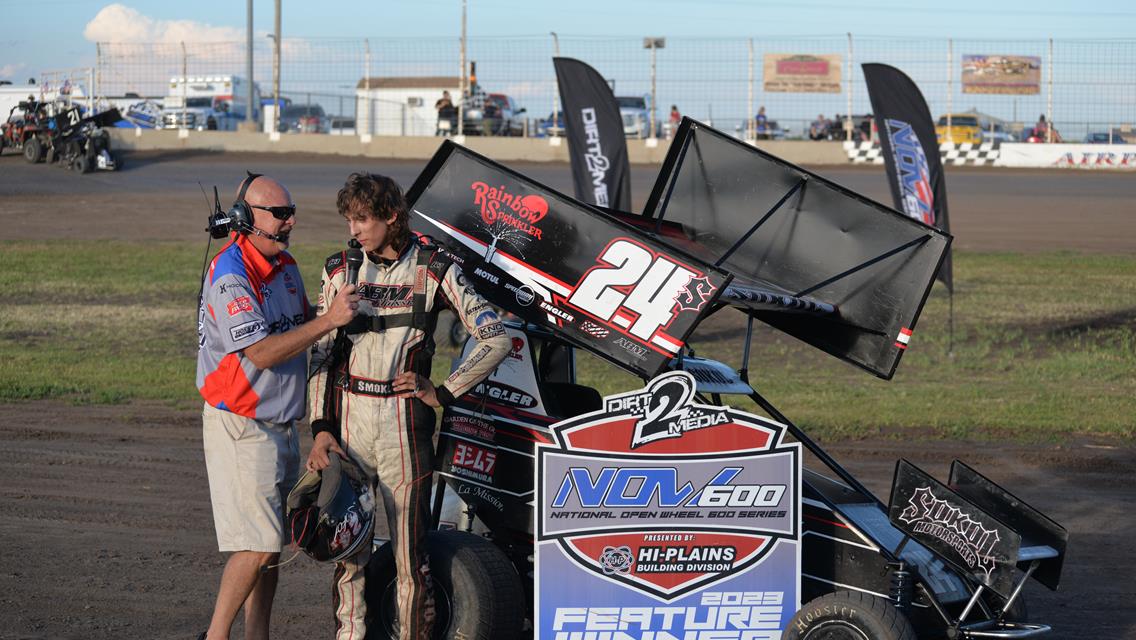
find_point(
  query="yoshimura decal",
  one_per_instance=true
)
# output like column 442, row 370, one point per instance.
column 245, row 329
column 914, row 174
column 637, row 504
column 935, row 517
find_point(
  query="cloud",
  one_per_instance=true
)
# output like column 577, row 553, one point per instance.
column 120, row 23
column 9, row 70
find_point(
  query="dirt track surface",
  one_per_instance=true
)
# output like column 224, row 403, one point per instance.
column 156, row 195
column 106, row 521
column 108, row 531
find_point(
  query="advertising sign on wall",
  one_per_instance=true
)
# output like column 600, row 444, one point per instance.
column 659, row 518
column 1068, row 156
column 1001, row 74
column 802, row 73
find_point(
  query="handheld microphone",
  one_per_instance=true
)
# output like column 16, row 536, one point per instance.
column 354, row 260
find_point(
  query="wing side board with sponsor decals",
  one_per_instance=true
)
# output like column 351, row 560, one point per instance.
column 656, row 503
column 562, row 263
column 954, row 528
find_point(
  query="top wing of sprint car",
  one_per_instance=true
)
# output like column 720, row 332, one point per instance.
column 841, row 272
column 559, row 263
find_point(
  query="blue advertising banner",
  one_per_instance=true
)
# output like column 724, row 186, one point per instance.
column 659, row 519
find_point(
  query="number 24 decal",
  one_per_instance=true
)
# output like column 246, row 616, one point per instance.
column 655, row 281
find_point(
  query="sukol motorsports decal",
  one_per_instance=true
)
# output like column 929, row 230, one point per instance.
column 932, row 516
column 914, row 174
column 657, row 504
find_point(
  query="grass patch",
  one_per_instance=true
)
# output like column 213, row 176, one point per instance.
column 1044, row 344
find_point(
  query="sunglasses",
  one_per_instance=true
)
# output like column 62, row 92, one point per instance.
column 282, row 212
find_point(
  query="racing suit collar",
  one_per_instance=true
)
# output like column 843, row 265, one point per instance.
column 388, row 263
column 254, row 259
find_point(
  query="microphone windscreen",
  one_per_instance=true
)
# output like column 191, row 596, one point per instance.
column 354, row 260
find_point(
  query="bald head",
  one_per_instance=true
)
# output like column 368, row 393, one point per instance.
column 269, row 234
column 267, row 192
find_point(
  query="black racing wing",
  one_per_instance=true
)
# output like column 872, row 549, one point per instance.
column 561, row 263
column 842, row 272
column 70, row 121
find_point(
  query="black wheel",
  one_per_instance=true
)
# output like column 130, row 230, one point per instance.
column 458, row 334
column 50, row 157
column 849, row 615
column 477, row 592
column 81, row 164
column 33, row 150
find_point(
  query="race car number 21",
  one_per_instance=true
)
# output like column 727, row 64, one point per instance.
column 636, row 280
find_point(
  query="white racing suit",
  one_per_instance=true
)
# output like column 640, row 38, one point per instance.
column 391, row 437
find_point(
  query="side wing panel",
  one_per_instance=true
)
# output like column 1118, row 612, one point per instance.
column 607, row 286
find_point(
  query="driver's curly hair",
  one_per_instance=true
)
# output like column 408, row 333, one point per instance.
column 380, row 197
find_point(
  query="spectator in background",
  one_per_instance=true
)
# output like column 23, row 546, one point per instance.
column 1042, row 128
column 673, row 121
column 818, row 130
column 491, row 118
column 447, row 113
column 761, row 124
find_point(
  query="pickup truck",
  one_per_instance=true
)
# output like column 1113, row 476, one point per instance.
column 497, row 115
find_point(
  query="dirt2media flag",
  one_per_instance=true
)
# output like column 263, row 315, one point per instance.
column 600, row 168
column 910, row 150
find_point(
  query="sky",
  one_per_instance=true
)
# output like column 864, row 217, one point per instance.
column 46, row 35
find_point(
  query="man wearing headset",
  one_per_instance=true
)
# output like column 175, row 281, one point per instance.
column 375, row 403
column 254, row 328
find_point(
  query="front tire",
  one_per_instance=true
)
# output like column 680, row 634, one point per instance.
column 81, row 164
column 33, row 150
column 477, row 592
column 849, row 615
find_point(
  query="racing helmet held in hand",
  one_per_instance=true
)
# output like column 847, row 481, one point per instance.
column 331, row 513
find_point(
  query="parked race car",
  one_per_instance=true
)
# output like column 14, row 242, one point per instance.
column 834, row 269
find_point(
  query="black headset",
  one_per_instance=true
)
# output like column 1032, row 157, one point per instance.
column 240, row 214
column 239, row 218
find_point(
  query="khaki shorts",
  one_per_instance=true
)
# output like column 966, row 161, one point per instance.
column 252, row 465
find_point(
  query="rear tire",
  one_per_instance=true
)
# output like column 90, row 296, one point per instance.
column 33, row 150
column 477, row 592
column 849, row 615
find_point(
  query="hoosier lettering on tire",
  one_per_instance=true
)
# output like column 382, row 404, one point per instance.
column 849, row 615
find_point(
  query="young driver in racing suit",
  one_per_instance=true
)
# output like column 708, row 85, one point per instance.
column 371, row 393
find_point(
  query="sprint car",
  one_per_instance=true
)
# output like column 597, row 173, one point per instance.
column 727, row 226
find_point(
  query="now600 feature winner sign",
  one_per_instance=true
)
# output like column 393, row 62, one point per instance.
column 663, row 519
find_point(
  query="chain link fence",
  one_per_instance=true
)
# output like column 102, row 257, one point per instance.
column 390, row 85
